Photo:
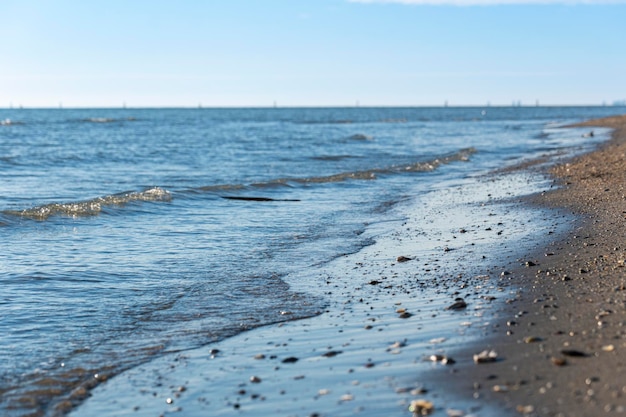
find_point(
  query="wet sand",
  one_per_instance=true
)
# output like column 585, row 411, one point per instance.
column 542, row 281
column 562, row 341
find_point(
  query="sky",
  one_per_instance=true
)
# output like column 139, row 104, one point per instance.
column 214, row 53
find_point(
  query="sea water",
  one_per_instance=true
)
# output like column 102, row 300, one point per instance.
column 130, row 233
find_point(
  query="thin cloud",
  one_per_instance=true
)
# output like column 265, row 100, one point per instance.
column 490, row 2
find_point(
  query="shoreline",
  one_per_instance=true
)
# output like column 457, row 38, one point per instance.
column 339, row 364
column 563, row 339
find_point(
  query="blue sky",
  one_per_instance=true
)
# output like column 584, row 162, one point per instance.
column 311, row 52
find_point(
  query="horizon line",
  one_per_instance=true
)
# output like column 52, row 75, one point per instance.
column 616, row 103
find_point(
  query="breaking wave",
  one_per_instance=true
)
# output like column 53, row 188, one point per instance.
column 364, row 175
column 91, row 207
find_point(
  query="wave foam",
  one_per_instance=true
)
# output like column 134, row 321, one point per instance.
column 91, row 207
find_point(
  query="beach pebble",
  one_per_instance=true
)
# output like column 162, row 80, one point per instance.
column 443, row 359
column 486, row 356
column 421, row 407
column 525, row 409
column 418, row 391
column 291, row 359
column 558, row 361
column 455, row 413
column 259, row 356
column 347, row 397
column 459, row 304
column 574, row 353
column 532, row 339
column 331, row 353
column 500, row 388
column 397, row 345
column 403, row 259
column 255, row 379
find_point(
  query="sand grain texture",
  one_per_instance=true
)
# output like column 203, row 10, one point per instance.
column 563, row 340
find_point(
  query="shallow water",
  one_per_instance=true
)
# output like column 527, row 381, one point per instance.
column 129, row 233
column 382, row 359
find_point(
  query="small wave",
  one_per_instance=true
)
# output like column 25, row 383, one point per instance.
column 371, row 174
column 107, row 120
column 360, row 137
column 221, row 187
column 364, row 175
column 393, row 121
column 331, row 157
column 9, row 122
column 91, row 207
column 325, row 122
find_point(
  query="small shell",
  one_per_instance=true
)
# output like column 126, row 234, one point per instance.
column 486, row 356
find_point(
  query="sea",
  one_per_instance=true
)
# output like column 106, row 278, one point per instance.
column 130, row 233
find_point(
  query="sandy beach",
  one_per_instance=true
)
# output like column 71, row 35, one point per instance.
column 535, row 281
column 562, row 340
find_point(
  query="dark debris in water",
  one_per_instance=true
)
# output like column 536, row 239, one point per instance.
column 259, row 199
